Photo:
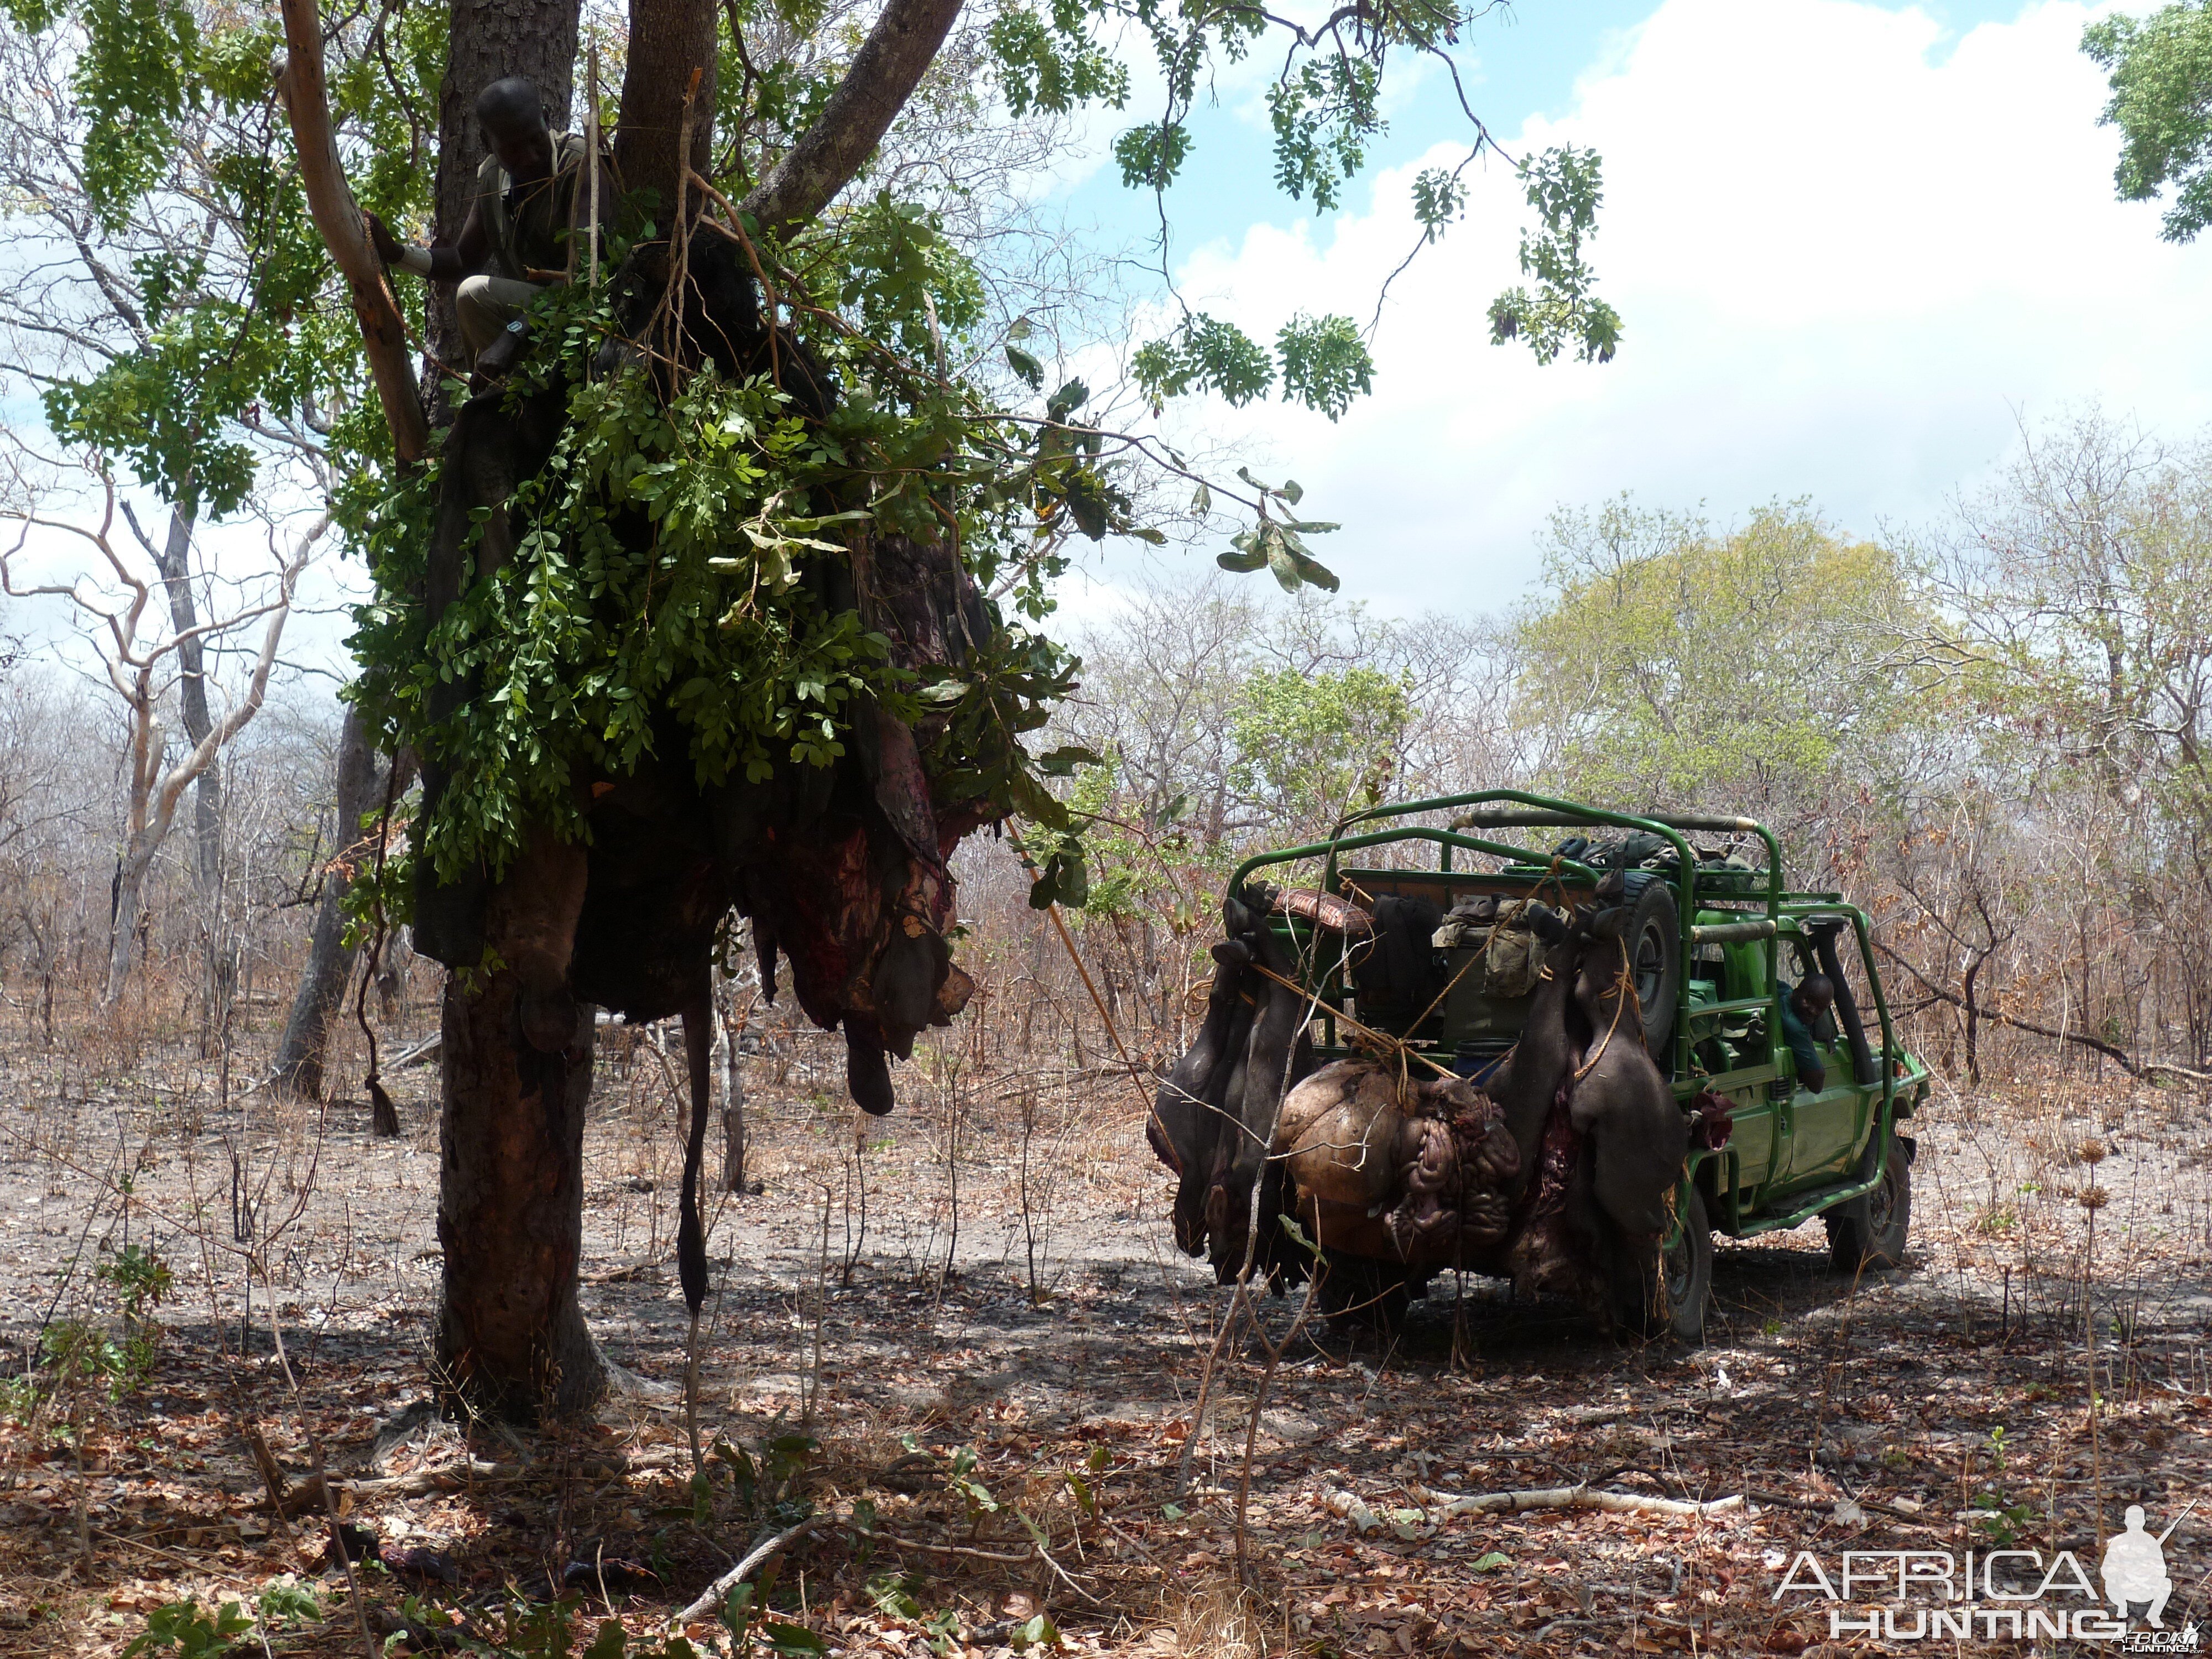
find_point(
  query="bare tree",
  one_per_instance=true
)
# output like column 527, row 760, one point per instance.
column 142, row 662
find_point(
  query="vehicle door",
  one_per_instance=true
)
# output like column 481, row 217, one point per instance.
column 1825, row 1125
column 1732, row 1053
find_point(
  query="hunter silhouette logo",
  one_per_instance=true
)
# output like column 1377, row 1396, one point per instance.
column 1922, row 1594
column 2135, row 1567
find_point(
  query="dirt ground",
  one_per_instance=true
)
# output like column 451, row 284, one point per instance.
column 970, row 1350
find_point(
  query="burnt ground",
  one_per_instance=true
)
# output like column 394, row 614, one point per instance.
column 1049, row 1379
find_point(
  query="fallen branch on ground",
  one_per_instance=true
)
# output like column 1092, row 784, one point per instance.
column 453, row 1476
column 1442, row 1505
column 710, row 1599
column 1811, row 1506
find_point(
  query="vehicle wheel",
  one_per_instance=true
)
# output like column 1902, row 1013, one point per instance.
column 1682, row 1286
column 1360, row 1294
column 1869, row 1231
column 1653, row 936
column 1667, row 1295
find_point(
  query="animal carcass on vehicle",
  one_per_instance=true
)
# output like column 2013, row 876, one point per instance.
column 1529, row 1068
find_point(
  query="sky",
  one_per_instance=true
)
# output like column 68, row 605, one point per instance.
column 1857, row 247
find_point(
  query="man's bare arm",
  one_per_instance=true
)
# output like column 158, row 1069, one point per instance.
column 440, row 265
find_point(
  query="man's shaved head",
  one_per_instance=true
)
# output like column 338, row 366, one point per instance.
column 511, row 108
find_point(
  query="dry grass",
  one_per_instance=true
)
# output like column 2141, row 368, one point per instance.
column 1957, row 1390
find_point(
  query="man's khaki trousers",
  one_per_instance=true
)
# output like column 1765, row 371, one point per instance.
column 486, row 305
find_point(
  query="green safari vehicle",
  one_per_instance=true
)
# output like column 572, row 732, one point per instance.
column 1714, row 937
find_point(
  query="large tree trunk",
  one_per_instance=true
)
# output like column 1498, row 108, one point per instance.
column 488, row 40
column 511, row 1335
column 511, row 1211
column 668, row 40
column 321, row 995
column 511, row 1196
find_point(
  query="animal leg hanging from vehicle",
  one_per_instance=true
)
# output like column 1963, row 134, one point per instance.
column 1622, row 1103
column 690, row 1236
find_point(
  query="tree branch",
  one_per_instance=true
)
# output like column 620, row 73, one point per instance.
column 383, row 333
column 2140, row 1069
column 885, row 70
column 204, row 754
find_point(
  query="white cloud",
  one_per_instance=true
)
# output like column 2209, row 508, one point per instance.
column 1848, row 251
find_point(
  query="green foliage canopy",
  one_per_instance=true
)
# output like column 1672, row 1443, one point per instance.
column 1678, row 665
column 225, row 323
column 1316, row 746
column 670, row 566
column 710, row 619
column 2161, row 76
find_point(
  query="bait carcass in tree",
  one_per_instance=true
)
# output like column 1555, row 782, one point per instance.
column 1466, row 1054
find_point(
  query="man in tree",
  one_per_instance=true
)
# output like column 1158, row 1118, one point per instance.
column 514, row 241
column 1803, row 1009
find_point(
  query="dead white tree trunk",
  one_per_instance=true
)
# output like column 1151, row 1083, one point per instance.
column 144, row 667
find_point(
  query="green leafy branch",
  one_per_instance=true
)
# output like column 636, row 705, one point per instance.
column 1279, row 543
column 1565, row 186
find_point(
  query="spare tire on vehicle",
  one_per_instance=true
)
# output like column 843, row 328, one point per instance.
column 1653, row 938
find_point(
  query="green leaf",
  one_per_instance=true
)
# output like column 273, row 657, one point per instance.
column 1027, row 367
column 1065, row 402
column 1062, row 761
column 1206, row 355
column 1439, row 198
column 1240, row 563
column 736, row 1611
column 1491, row 1562
column 792, row 1639
column 1289, row 1223
column 1326, row 365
